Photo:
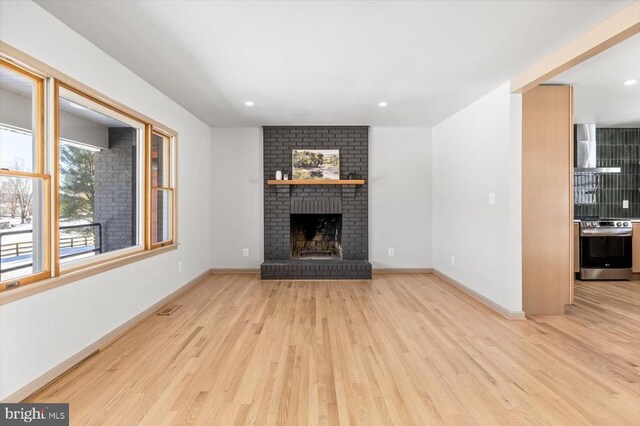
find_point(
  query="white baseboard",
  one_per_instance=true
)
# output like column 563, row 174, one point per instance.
column 512, row 315
column 98, row 345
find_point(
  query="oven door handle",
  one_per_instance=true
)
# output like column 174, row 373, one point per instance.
column 605, row 233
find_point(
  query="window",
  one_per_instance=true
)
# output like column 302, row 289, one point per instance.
column 100, row 181
column 24, row 185
column 83, row 180
column 161, row 190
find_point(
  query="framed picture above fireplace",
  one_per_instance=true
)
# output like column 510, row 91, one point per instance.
column 309, row 164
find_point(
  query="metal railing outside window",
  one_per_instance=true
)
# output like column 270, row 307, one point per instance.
column 75, row 245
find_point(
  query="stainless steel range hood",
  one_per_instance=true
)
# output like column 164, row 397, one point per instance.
column 586, row 152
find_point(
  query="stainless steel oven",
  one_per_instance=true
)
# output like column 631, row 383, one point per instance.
column 605, row 250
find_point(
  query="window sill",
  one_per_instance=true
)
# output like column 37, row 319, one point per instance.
column 11, row 295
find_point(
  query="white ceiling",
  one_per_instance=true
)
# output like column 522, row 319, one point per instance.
column 312, row 62
column 599, row 93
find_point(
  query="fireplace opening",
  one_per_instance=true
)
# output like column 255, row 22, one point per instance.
column 316, row 236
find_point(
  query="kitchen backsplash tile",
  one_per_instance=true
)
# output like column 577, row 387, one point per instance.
column 602, row 195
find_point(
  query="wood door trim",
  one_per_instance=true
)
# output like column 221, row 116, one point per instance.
column 547, row 222
column 635, row 250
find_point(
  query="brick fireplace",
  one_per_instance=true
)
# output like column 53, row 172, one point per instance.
column 316, row 231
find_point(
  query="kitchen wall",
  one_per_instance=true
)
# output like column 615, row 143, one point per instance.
column 477, row 242
column 399, row 198
column 602, row 195
column 39, row 332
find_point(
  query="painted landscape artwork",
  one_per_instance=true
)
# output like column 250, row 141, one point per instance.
column 316, row 164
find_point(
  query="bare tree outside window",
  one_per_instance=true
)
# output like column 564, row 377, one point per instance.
column 17, row 194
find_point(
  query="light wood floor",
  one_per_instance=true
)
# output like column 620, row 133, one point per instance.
column 403, row 349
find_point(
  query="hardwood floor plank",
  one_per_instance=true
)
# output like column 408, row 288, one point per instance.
column 401, row 349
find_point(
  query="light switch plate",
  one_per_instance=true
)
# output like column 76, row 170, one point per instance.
column 391, row 252
column 492, row 198
column 625, row 204
column 453, row 261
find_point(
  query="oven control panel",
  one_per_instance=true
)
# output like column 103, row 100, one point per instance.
column 605, row 224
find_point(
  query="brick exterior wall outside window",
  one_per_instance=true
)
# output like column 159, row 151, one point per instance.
column 115, row 190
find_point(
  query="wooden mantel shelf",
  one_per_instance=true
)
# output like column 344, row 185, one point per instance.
column 316, row 182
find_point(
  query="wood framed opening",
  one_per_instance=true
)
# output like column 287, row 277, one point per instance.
column 548, row 243
column 161, row 195
column 24, row 179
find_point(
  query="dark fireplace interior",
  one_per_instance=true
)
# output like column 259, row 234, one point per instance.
column 316, row 236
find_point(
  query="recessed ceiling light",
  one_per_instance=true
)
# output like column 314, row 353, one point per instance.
column 630, row 82
column 382, row 104
column 249, row 103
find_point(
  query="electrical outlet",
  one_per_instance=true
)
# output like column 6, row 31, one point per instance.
column 179, row 265
column 625, row 204
column 453, row 261
column 245, row 252
column 492, row 198
column 391, row 252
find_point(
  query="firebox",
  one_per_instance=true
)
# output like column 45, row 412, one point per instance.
column 316, row 236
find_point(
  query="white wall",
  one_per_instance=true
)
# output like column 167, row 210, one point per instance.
column 396, row 156
column 236, row 158
column 400, row 197
column 39, row 332
column 475, row 152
